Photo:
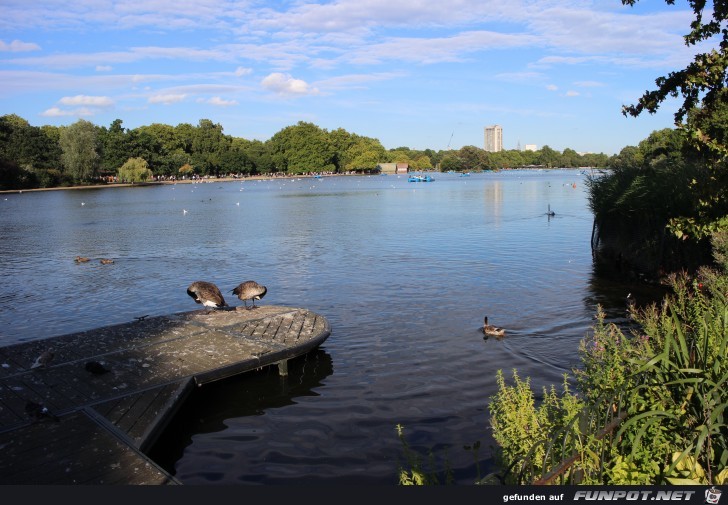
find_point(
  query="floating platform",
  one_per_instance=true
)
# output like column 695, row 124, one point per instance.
column 99, row 426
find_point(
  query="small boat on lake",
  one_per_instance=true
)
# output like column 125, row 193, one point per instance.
column 420, row 178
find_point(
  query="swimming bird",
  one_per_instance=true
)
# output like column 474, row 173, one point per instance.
column 44, row 359
column 81, row 259
column 492, row 331
column 96, row 368
column 207, row 294
column 106, row 261
column 250, row 290
column 550, row 212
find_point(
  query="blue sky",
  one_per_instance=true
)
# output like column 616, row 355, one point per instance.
column 415, row 73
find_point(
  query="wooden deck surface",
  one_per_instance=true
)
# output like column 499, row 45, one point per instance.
column 107, row 422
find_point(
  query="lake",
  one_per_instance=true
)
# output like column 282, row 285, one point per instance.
column 404, row 272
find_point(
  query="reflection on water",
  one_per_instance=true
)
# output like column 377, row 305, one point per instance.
column 404, row 273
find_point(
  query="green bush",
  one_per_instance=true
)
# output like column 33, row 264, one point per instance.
column 670, row 379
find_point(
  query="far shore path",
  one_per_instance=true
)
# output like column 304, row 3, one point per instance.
column 181, row 181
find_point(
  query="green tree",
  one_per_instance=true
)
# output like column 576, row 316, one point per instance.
column 135, row 170
column 259, row 155
column 363, row 153
column 473, row 158
column 303, row 148
column 115, row 146
column 80, row 151
column 702, row 81
column 548, row 157
column 208, row 146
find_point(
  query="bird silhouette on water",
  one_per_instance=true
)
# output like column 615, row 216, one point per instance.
column 207, row 294
column 250, row 290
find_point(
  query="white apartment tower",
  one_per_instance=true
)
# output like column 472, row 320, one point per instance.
column 493, row 138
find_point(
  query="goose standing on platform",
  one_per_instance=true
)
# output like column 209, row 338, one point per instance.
column 207, row 294
column 250, row 290
column 492, row 331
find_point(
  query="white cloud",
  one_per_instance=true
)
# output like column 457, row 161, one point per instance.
column 92, row 101
column 241, row 71
column 17, row 46
column 216, row 100
column 572, row 93
column 104, row 68
column 552, row 87
column 167, row 99
column 284, row 84
column 58, row 112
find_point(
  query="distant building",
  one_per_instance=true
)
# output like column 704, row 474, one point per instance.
column 530, row 147
column 493, row 139
column 393, row 168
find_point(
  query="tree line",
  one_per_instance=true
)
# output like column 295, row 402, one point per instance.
column 82, row 153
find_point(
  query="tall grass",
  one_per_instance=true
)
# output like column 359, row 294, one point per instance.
column 668, row 381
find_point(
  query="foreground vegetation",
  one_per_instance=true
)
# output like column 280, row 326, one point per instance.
column 83, row 153
column 648, row 405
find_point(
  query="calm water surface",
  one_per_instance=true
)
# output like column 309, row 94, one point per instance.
column 404, row 272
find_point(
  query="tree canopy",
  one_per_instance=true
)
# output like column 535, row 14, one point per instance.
column 50, row 156
column 702, row 81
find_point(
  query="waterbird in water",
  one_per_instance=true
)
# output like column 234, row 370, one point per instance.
column 492, row 331
column 106, row 261
column 44, row 359
column 550, row 212
column 250, row 290
column 207, row 294
column 81, row 259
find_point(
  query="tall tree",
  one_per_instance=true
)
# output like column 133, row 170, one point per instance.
column 80, row 152
column 303, row 148
column 208, row 145
column 700, row 82
column 115, row 149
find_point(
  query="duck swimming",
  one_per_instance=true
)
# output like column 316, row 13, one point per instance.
column 492, row 331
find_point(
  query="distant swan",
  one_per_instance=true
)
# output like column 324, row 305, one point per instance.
column 492, row 331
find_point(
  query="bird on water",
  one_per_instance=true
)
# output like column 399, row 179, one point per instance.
column 207, row 294
column 250, row 290
column 492, row 331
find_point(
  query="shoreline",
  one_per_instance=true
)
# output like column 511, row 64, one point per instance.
column 164, row 183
